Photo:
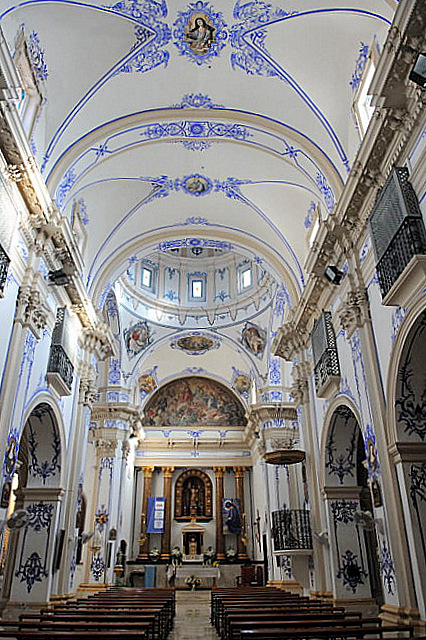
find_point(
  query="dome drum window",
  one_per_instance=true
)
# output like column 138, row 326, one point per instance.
column 197, row 287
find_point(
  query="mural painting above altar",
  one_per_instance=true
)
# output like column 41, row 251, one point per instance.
column 194, row 401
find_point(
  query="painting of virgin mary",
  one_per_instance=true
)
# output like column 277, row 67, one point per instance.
column 200, row 37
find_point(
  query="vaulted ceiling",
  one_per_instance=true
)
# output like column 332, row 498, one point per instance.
column 137, row 113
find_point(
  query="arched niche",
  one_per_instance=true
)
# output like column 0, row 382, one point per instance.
column 410, row 401
column 409, row 450
column 194, row 401
column 193, row 496
column 37, row 473
column 353, row 546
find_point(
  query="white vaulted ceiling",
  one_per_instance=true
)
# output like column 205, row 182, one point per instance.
column 130, row 112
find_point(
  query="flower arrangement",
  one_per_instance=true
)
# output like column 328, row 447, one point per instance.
column 176, row 555
column 193, row 582
column 231, row 554
column 154, row 554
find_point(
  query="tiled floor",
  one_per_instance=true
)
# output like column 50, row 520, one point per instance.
column 192, row 619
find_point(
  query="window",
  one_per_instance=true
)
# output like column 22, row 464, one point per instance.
column 147, row 277
column 31, row 97
column 246, row 278
column 197, row 288
column 361, row 82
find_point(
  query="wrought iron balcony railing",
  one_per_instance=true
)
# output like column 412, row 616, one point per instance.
column 326, row 359
column 60, row 363
column 408, row 241
column 4, row 266
column 291, row 530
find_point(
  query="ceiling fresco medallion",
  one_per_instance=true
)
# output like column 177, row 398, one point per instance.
column 199, row 33
column 136, row 338
column 254, row 338
column 147, row 383
column 195, row 344
column 197, row 185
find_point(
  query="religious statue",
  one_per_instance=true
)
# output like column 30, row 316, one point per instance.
column 193, row 546
column 193, row 502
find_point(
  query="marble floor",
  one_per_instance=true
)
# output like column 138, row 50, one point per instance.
column 192, row 619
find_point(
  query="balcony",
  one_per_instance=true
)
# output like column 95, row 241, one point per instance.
column 291, row 532
column 4, row 266
column 326, row 359
column 399, row 240
column 402, row 268
column 60, row 370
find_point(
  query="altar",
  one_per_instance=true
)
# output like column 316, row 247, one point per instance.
column 204, row 573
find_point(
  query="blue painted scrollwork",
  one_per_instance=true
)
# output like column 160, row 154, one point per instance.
column 32, row 571
column 350, row 571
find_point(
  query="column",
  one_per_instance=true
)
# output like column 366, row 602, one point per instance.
column 220, row 541
column 147, row 490
column 239, row 494
column 167, row 493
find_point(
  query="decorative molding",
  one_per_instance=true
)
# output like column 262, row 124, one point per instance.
column 97, row 339
column 289, row 341
column 354, row 312
column 32, row 311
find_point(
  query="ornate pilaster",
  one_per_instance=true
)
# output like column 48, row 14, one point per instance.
column 289, row 340
column 300, row 387
column 239, row 492
column 167, row 493
column 147, row 490
column 220, row 541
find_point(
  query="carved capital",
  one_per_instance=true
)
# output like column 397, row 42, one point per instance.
column 238, row 472
column 88, row 392
column 354, row 311
column 32, row 311
column 219, row 471
column 167, row 471
column 98, row 340
column 125, row 449
column 105, row 448
column 148, row 472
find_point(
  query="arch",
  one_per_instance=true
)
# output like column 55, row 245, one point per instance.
column 194, row 401
column 338, row 451
column 353, row 546
column 397, row 376
column 45, row 433
column 110, row 270
column 193, row 496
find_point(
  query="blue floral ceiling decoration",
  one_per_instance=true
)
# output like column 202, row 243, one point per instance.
column 151, row 34
column 200, row 33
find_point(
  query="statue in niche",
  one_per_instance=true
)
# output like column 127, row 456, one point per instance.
column 193, row 546
column 193, row 497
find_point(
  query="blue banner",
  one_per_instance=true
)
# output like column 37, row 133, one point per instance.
column 156, row 507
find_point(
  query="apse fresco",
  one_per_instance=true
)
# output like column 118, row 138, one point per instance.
column 194, row 401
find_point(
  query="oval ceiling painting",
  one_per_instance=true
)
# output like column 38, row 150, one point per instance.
column 194, row 401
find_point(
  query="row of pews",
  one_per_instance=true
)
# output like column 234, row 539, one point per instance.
column 119, row 613
column 266, row 613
